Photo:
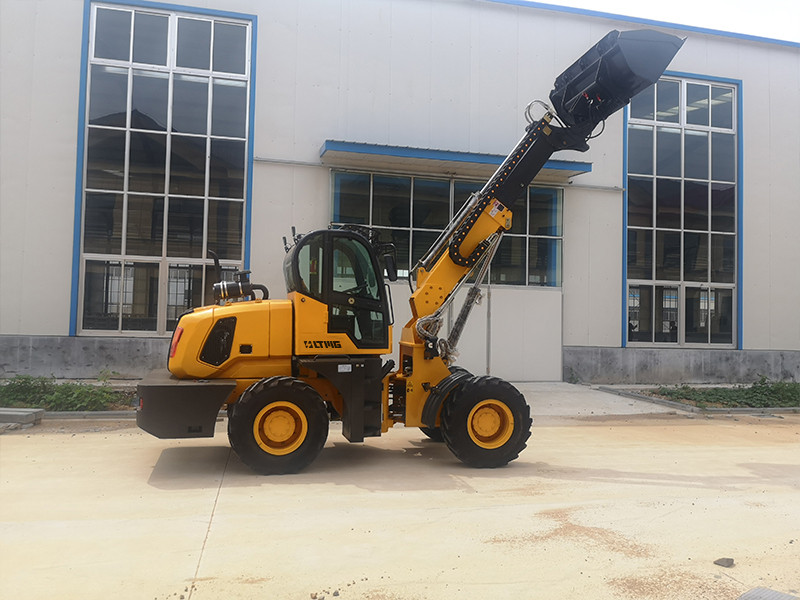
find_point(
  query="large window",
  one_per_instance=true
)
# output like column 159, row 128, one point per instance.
column 682, row 213
column 413, row 211
column 165, row 167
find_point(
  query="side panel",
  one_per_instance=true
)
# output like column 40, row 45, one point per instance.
column 260, row 347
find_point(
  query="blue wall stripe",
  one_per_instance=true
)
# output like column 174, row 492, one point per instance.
column 649, row 22
column 248, row 206
column 624, row 313
column 76, row 225
column 444, row 155
column 739, row 216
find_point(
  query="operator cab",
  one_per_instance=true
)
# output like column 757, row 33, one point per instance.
column 340, row 269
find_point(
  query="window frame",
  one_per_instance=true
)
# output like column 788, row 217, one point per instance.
column 166, row 263
column 454, row 204
column 708, row 285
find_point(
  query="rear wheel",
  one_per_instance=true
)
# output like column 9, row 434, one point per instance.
column 486, row 422
column 279, row 425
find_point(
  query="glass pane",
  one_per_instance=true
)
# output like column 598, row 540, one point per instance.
column 351, row 198
column 723, row 207
column 229, row 47
column 721, row 107
column 190, row 104
column 666, row 314
column 145, row 228
column 508, row 265
column 102, row 223
column 184, row 291
column 668, row 203
column 185, row 228
column 421, row 242
column 723, row 258
column 544, row 262
column 149, row 100
column 112, row 35
column 102, row 289
column 140, row 297
column 431, row 203
column 721, row 316
column 105, row 159
column 310, row 265
column 150, row 38
column 640, row 201
column 546, row 216
column 188, row 166
column 668, row 98
column 108, row 97
column 696, row 104
column 640, row 313
column 640, row 150
column 462, row 190
column 695, row 205
column 668, row 255
column 147, row 162
column 225, row 228
column 723, row 157
column 401, row 240
column 695, row 256
column 226, row 170
column 695, row 154
column 668, row 152
column 642, row 104
column 229, row 109
column 391, row 201
column 640, row 254
column 353, row 271
column 194, row 43
column 697, row 315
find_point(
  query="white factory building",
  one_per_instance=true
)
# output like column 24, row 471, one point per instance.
column 137, row 136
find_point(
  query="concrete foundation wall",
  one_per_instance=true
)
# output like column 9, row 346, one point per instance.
column 670, row 366
column 81, row 357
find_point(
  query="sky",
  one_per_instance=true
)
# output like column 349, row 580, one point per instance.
column 775, row 19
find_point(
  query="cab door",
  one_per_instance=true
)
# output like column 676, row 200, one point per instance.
column 339, row 270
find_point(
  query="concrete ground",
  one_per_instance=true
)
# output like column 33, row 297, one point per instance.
column 613, row 499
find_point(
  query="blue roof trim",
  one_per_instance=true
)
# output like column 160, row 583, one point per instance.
column 444, row 155
column 181, row 8
column 641, row 21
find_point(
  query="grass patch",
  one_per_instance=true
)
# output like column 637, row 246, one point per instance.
column 762, row 394
column 25, row 391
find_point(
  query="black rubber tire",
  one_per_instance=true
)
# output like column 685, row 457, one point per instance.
column 289, row 397
column 433, row 433
column 502, row 403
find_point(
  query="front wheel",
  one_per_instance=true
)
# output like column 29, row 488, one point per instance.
column 486, row 422
column 279, row 425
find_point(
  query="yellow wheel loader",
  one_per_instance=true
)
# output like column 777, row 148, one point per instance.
column 284, row 368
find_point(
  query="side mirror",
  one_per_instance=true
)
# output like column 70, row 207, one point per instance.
column 391, row 267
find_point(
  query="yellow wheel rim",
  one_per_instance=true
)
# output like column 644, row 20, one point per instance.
column 280, row 428
column 490, row 424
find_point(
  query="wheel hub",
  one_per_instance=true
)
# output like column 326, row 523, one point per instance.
column 490, row 424
column 280, row 428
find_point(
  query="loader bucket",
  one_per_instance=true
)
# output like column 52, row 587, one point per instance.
column 610, row 73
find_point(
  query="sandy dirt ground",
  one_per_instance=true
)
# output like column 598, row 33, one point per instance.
column 635, row 507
